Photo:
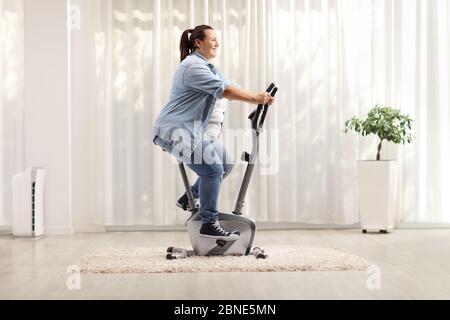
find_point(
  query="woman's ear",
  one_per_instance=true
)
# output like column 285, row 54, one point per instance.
column 197, row 44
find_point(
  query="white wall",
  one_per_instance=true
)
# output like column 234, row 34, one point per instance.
column 46, row 100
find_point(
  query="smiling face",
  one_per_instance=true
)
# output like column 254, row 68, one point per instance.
column 208, row 47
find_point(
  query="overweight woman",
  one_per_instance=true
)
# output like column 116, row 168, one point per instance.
column 189, row 125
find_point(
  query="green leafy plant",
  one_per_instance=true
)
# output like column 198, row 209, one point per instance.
column 385, row 122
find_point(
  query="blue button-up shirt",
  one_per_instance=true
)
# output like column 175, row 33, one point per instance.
column 196, row 86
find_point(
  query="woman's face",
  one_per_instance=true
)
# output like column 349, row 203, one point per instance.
column 208, row 47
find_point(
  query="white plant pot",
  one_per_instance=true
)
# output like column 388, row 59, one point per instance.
column 377, row 187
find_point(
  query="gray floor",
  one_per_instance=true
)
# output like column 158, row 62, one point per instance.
column 413, row 264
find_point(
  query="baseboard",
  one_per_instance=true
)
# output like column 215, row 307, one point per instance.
column 301, row 225
column 298, row 225
column 259, row 226
column 5, row 230
column 279, row 226
column 422, row 225
column 53, row 231
column 132, row 228
column 89, row 228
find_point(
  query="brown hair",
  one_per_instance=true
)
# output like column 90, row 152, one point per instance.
column 187, row 44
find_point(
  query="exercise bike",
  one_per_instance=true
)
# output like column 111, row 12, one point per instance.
column 236, row 221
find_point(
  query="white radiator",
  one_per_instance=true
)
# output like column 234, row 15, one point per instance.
column 28, row 203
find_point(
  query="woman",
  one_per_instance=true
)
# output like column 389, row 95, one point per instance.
column 189, row 125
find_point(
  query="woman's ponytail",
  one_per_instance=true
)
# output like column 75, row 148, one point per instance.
column 187, row 44
column 185, row 47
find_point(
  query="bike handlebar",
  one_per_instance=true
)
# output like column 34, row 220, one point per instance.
column 254, row 116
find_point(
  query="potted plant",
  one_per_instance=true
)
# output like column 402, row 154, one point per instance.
column 377, row 179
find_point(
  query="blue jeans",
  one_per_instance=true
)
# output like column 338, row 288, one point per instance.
column 211, row 163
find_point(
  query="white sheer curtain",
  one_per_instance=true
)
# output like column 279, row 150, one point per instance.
column 398, row 53
column 11, row 101
column 330, row 59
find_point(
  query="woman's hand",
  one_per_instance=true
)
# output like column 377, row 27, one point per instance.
column 263, row 98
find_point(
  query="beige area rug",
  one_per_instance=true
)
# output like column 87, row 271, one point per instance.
column 280, row 258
